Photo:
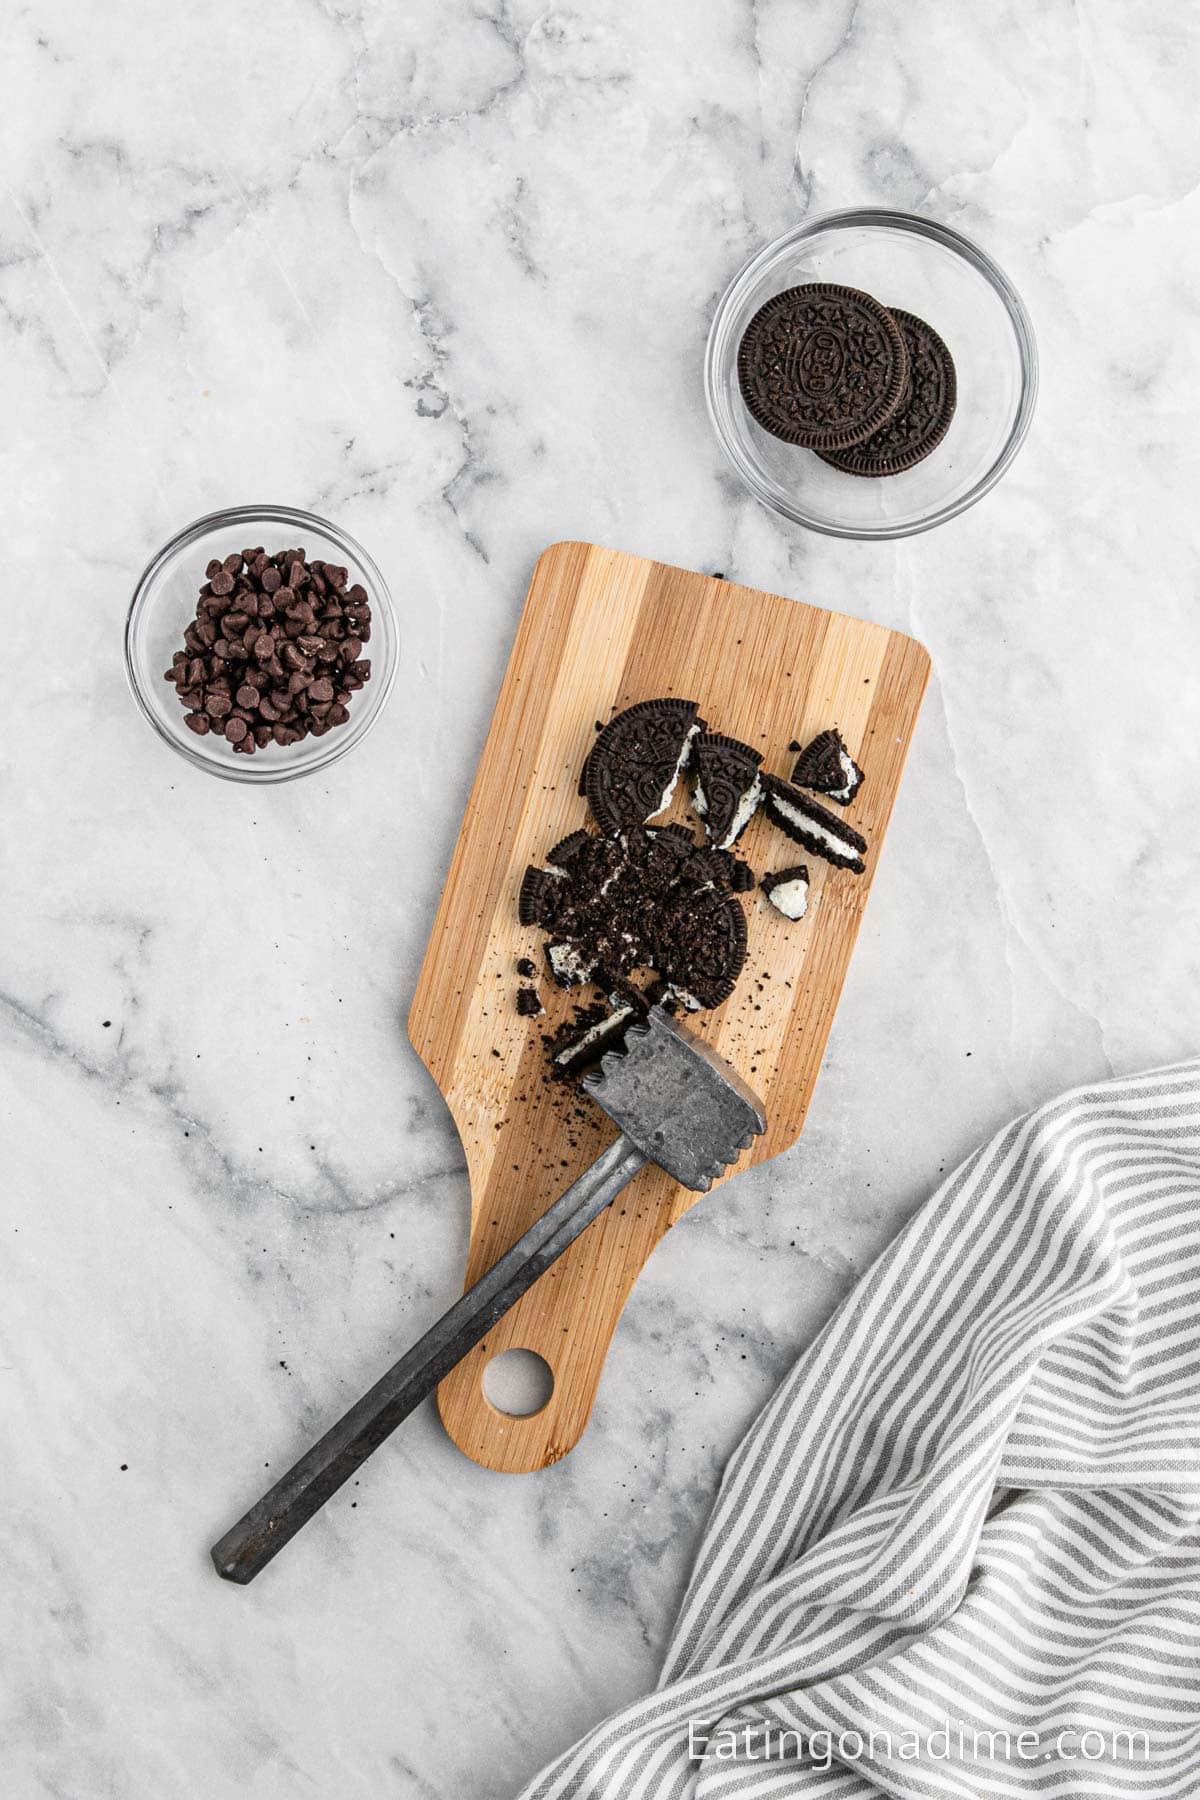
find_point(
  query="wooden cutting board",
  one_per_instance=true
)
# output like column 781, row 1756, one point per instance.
column 600, row 630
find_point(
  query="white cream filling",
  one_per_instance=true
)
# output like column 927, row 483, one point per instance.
column 747, row 807
column 853, row 774
column 669, row 791
column 699, row 799
column 790, row 897
column 812, row 828
column 615, row 1017
column 568, row 966
column 684, row 998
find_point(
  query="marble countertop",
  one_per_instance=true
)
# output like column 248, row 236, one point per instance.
column 444, row 273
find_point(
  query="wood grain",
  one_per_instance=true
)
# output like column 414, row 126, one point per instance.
column 601, row 629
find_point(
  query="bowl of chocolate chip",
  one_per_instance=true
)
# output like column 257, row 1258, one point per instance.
column 871, row 374
column 261, row 643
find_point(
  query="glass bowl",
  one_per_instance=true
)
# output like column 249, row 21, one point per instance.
column 164, row 604
column 927, row 269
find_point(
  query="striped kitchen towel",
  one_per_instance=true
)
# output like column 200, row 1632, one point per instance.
column 959, row 1552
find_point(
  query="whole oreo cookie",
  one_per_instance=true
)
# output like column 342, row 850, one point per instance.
column 923, row 417
column 822, row 366
column 632, row 767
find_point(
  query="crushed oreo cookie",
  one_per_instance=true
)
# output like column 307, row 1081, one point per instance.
column 581, row 1041
column 827, row 767
column 537, row 899
column 640, row 900
column 701, row 949
column 645, row 913
column 529, row 1003
column 788, row 891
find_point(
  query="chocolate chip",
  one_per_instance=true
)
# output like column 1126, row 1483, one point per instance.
column 249, row 667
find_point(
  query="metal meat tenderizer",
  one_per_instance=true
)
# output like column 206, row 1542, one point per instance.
column 678, row 1104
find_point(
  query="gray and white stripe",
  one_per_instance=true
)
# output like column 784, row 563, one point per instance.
column 974, row 1503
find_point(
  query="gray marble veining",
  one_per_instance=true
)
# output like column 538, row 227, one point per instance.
column 444, row 272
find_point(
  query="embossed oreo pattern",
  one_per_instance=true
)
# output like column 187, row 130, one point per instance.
column 822, row 366
column 726, row 769
column 630, row 765
column 923, row 417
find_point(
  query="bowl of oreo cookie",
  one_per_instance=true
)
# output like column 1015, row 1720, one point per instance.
column 871, row 374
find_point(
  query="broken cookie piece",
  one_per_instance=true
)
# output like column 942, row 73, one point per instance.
column 788, row 891
column 593, row 1030
column 529, row 1003
column 819, row 832
column 827, row 767
column 540, row 896
column 727, row 791
column 700, row 948
column 634, row 764
column 567, row 849
column 568, row 967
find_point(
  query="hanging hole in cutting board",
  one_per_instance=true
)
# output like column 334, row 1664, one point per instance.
column 518, row 1383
